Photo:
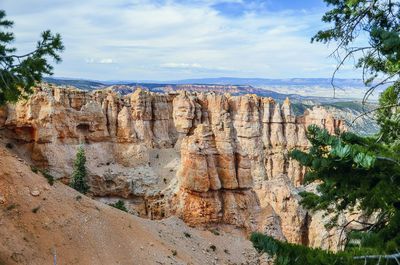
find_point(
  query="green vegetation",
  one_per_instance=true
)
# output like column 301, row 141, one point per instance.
column 388, row 116
column 357, row 106
column 299, row 108
column 215, row 232
column 354, row 172
column 18, row 73
column 11, row 207
column 353, row 105
column 79, row 176
column 48, row 176
column 34, row 169
column 36, row 209
column 120, row 204
column 350, row 22
column 363, row 173
column 45, row 173
column 288, row 254
column 358, row 173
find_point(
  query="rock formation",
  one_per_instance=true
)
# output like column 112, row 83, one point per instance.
column 210, row 194
column 208, row 158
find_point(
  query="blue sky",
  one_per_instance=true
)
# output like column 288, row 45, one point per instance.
column 177, row 39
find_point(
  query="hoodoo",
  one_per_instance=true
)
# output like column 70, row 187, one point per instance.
column 211, row 159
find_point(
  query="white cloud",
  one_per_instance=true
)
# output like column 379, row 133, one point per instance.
column 181, row 65
column 106, row 61
column 99, row 61
column 139, row 39
column 196, row 68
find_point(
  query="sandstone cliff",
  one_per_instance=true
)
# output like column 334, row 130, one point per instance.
column 208, row 158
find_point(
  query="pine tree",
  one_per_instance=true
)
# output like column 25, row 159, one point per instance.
column 353, row 173
column 18, row 73
column 366, row 31
column 388, row 116
column 79, row 176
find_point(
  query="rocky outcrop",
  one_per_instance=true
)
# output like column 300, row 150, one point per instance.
column 208, row 158
column 3, row 115
column 323, row 118
column 283, row 197
column 208, row 194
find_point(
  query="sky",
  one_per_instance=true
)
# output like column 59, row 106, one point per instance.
column 178, row 39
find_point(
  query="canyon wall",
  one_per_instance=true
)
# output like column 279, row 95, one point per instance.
column 211, row 159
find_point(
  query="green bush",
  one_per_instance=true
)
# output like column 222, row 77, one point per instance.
column 48, row 176
column 289, row 254
column 45, row 173
column 79, row 176
column 120, row 204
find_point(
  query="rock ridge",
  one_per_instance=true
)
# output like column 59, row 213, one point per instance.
column 209, row 158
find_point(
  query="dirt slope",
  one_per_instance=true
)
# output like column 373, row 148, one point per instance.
column 38, row 220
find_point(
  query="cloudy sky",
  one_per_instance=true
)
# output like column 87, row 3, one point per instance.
column 178, row 39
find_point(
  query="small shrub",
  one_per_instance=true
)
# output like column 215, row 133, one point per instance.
column 45, row 173
column 36, row 209
column 120, row 204
column 78, row 198
column 226, row 251
column 34, row 169
column 11, row 207
column 9, row 145
column 174, row 252
column 48, row 176
column 213, row 248
column 187, row 234
column 215, row 232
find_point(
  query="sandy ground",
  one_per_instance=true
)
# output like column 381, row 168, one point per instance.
column 39, row 222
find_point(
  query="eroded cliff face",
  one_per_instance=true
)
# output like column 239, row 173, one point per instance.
column 209, row 158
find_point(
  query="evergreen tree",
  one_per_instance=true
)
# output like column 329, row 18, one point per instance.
column 366, row 31
column 79, row 176
column 353, row 172
column 388, row 116
column 18, row 73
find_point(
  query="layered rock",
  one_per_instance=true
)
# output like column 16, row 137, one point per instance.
column 206, row 196
column 208, row 158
